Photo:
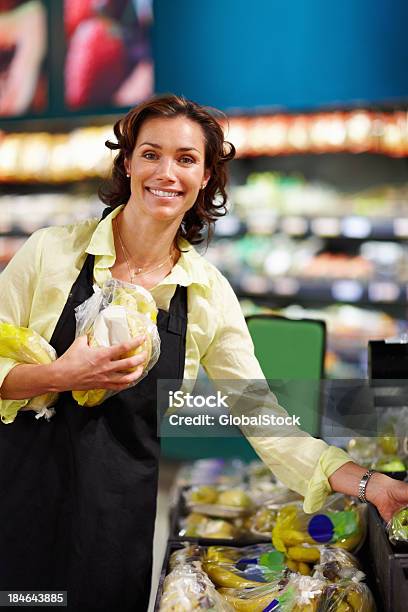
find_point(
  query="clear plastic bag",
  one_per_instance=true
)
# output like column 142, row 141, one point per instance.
column 341, row 522
column 26, row 346
column 346, row 596
column 188, row 589
column 338, row 564
column 289, row 594
column 397, row 527
column 200, row 526
column 116, row 313
column 222, row 502
column 297, row 593
column 243, row 567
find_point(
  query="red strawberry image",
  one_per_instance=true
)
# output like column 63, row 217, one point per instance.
column 76, row 11
column 95, row 64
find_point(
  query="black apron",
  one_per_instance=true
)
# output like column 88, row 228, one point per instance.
column 78, row 493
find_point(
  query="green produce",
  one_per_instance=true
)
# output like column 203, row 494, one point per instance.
column 398, row 526
column 390, row 464
column 388, row 444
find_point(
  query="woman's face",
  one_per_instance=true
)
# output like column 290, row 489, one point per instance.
column 167, row 167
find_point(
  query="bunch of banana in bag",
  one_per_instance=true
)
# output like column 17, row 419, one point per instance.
column 116, row 313
column 26, row 346
column 340, row 523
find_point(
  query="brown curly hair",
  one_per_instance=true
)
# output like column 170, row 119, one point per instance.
column 211, row 201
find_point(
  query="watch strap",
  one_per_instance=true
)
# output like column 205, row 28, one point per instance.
column 363, row 486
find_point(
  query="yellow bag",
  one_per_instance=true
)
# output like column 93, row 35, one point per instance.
column 25, row 346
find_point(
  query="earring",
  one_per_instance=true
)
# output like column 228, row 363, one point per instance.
column 127, row 175
column 203, row 186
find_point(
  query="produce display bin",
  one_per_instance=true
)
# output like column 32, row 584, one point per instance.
column 390, row 566
column 179, row 511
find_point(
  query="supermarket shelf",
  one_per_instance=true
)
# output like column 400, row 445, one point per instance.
column 376, row 292
column 349, row 228
column 352, row 227
column 15, row 233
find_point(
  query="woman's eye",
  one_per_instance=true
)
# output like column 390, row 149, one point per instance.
column 186, row 159
column 149, row 155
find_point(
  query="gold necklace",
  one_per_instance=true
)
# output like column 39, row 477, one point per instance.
column 139, row 271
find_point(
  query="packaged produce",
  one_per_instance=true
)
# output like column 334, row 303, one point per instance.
column 292, row 593
column 391, row 465
column 200, row 526
column 188, row 589
column 26, row 346
column 337, row 564
column 219, row 501
column 243, row 567
column 346, row 596
column 189, row 553
column 116, row 313
column 340, row 523
column 261, row 522
column 397, row 527
column 296, row 593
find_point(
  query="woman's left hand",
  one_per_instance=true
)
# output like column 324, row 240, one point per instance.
column 387, row 494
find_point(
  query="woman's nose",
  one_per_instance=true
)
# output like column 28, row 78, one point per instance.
column 165, row 169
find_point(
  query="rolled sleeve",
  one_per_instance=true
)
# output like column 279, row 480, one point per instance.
column 318, row 486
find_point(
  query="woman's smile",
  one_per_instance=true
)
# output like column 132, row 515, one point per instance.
column 164, row 194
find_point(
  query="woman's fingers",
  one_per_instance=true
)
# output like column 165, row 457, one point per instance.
column 123, row 365
column 121, row 381
column 118, row 350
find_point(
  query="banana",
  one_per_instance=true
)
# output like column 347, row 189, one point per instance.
column 302, row 553
column 249, row 604
column 293, row 537
column 292, row 565
column 344, row 607
column 304, row 569
column 311, row 606
column 223, row 577
column 355, row 600
column 137, row 325
column 351, row 542
column 220, row 554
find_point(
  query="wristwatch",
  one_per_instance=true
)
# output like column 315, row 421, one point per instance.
column 363, row 485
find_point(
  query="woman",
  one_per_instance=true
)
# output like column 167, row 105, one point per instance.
column 81, row 488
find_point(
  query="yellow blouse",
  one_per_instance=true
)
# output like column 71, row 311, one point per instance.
column 35, row 286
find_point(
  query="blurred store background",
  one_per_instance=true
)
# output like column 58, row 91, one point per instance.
column 316, row 99
column 316, row 95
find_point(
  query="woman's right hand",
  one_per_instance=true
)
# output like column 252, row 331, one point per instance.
column 84, row 368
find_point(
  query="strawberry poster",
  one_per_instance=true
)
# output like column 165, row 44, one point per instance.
column 108, row 60
column 23, row 51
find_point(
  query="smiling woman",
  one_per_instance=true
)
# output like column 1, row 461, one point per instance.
column 93, row 472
